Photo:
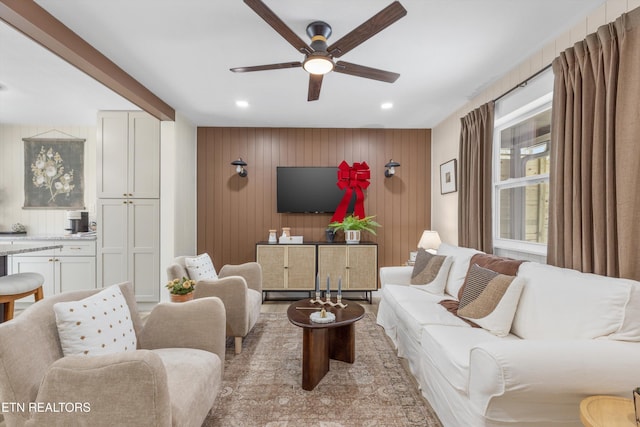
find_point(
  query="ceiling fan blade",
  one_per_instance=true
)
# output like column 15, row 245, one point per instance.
column 277, row 24
column 315, row 83
column 267, row 67
column 368, row 29
column 366, row 72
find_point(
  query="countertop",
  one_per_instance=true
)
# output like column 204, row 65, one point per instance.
column 27, row 237
column 19, row 249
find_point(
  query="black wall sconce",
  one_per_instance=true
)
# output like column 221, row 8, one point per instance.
column 240, row 164
column 391, row 168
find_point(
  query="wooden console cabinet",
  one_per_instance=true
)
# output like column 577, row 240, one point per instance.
column 294, row 267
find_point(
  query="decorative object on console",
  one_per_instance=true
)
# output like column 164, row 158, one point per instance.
column 430, row 241
column 448, row 177
column 240, row 167
column 490, row 299
column 391, row 168
column 79, row 335
column 352, row 226
column 331, row 234
column 352, row 179
column 288, row 239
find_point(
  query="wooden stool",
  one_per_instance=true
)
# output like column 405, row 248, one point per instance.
column 16, row 286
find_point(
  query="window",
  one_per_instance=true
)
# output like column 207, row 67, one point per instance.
column 522, row 142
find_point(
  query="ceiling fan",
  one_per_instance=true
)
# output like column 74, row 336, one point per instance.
column 319, row 58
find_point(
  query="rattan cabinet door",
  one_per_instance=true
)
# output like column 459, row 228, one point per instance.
column 301, row 267
column 332, row 262
column 362, row 267
column 272, row 260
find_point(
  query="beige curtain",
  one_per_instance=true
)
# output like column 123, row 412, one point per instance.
column 474, row 196
column 594, row 207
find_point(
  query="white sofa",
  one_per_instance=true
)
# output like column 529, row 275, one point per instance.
column 573, row 335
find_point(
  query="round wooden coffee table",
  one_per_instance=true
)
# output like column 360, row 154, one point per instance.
column 324, row 341
column 607, row 411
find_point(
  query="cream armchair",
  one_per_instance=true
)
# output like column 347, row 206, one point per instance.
column 240, row 289
column 172, row 378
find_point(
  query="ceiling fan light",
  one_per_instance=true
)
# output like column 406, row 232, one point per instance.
column 318, row 65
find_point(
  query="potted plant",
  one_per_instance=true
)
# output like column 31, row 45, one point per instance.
column 181, row 290
column 353, row 225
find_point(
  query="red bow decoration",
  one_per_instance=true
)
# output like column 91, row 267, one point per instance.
column 352, row 179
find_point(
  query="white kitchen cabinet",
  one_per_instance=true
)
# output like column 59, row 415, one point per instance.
column 129, row 246
column 71, row 268
column 128, row 148
column 128, row 208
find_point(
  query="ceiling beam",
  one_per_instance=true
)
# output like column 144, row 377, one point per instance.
column 32, row 20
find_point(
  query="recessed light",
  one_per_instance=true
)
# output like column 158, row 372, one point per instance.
column 386, row 105
column 242, row 104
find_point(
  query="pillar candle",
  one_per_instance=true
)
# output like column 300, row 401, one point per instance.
column 340, row 286
column 328, row 285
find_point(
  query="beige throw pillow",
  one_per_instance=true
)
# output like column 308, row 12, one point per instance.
column 430, row 272
column 490, row 299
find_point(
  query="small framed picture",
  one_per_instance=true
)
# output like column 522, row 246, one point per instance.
column 448, row 177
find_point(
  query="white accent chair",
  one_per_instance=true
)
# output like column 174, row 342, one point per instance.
column 240, row 289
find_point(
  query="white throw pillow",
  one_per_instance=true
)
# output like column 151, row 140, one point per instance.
column 201, row 268
column 560, row 303
column 459, row 268
column 99, row 324
column 430, row 272
column 490, row 299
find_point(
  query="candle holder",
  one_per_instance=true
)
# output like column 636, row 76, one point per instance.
column 327, row 301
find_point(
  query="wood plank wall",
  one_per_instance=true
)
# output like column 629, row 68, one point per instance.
column 235, row 213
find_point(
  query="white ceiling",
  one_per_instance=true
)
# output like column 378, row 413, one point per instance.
column 446, row 51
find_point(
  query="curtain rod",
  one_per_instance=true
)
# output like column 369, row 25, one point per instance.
column 523, row 84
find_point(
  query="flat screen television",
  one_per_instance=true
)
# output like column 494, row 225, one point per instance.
column 308, row 190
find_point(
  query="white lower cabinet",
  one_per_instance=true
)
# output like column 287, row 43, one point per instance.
column 71, row 268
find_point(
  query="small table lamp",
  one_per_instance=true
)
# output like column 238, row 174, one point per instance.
column 429, row 241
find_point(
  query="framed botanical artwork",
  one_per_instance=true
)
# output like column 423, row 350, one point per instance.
column 448, row 177
column 53, row 173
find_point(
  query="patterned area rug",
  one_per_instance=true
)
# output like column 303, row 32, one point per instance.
column 262, row 385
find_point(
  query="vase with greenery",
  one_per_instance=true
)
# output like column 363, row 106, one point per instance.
column 352, row 226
